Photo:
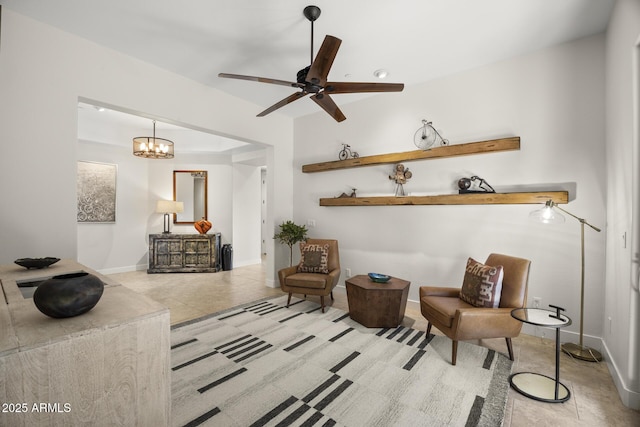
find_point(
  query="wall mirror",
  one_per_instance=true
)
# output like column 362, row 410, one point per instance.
column 190, row 187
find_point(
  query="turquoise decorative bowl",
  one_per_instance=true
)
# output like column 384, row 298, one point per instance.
column 379, row 278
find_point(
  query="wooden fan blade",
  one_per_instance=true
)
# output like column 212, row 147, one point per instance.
column 329, row 106
column 319, row 70
column 282, row 103
column 260, row 79
column 347, row 87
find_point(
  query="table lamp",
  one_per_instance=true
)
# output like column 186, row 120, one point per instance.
column 548, row 215
column 167, row 207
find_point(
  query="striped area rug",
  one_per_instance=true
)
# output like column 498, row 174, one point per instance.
column 267, row 365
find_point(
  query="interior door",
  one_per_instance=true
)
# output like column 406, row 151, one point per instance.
column 263, row 212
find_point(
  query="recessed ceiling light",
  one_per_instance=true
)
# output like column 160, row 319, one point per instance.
column 381, row 73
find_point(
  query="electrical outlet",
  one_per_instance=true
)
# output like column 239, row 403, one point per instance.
column 537, row 302
column 347, row 272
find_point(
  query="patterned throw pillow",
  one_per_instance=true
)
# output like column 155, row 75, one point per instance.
column 315, row 258
column 482, row 285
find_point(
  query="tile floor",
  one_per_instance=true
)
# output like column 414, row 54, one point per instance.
column 594, row 399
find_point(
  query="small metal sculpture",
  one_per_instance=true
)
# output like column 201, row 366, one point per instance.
column 427, row 136
column 353, row 194
column 469, row 185
column 346, row 152
column 400, row 176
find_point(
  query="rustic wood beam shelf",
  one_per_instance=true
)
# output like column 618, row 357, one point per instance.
column 560, row 197
column 491, row 146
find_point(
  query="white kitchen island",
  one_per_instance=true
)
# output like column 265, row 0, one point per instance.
column 109, row 366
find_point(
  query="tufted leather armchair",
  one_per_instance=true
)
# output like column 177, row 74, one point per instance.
column 460, row 321
column 293, row 282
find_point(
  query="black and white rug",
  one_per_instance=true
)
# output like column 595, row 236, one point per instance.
column 267, row 365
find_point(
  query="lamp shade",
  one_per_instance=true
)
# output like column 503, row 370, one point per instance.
column 547, row 215
column 169, row 206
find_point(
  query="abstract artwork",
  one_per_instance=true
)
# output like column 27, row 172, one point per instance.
column 96, row 190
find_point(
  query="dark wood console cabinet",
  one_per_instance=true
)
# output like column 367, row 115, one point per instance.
column 184, row 253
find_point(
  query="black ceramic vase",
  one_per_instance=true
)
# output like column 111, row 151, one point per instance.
column 68, row 295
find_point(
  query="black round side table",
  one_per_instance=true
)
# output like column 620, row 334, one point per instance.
column 537, row 386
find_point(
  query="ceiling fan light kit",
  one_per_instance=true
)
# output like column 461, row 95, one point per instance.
column 312, row 80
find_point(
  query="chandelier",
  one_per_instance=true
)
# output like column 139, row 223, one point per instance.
column 151, row 147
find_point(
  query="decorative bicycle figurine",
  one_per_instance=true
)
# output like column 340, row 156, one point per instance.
column 427, row 136
column 346, row 152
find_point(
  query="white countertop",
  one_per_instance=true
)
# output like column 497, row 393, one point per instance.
column 23, row 326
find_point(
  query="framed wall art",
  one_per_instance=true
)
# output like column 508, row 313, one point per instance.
column 96, row 190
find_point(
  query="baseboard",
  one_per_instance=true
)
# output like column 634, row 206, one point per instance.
column 272, row 283
column 630, row 398
column 565, row 336
column 247, row 262
column 126, row 269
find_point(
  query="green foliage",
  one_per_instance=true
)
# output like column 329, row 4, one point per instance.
column 290, row 234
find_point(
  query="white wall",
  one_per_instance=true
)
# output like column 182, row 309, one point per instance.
column 621, row 334
column 234, row 197
column 553, row 99
column 43, row 74
column 123, row 246
column 219, row 191
column 247, row 217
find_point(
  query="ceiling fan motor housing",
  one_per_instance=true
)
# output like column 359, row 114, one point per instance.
column 311, row 13
column 302, row 75
column 308, row 86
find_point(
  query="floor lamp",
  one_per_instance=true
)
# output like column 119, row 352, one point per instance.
column 547, row 215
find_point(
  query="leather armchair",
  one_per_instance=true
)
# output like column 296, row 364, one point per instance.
column 320, row 284
column 461, row 321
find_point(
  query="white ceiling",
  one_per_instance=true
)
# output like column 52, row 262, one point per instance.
column 113, row 127
column 415, row 40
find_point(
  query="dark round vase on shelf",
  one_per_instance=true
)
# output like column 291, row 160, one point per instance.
column 68, row 295
column 464, row 183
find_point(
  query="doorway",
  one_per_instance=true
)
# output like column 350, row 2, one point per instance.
column 263, row 212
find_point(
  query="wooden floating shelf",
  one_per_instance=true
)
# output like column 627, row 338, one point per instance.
column 560, row 197
column 491, row 146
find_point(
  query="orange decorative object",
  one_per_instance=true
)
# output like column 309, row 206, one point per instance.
column 202, row 226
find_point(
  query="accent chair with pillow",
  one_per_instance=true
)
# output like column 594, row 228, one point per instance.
column 482, row 307
column 316, row 274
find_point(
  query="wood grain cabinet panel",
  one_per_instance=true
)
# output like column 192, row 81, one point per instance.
column 184, row 253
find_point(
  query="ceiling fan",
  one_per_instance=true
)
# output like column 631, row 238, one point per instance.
column 313, row 79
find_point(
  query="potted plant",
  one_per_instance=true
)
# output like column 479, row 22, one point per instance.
column 290, row 234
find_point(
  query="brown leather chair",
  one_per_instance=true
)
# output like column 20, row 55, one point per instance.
column 293, row 282
column 461, row 321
